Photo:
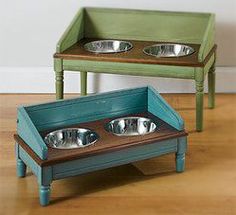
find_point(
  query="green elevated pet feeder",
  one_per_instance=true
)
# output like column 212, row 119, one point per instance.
column 144, row 43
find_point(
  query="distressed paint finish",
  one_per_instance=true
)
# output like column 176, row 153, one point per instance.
column 36, row 118
column 199, row 28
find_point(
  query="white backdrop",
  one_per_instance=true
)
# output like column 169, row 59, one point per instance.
column 29, row 31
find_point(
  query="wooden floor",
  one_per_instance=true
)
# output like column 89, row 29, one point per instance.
column 208, row 186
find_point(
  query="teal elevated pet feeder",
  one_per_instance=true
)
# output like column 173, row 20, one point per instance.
column 71, row 137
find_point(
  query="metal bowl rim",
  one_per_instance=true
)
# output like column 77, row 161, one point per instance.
column 110, row 52
column 63, row 129
column 167, row 44
column 130, row 117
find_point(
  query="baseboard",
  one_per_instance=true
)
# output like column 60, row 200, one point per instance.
column 41, row 80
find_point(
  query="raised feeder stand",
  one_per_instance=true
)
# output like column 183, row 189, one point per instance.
column 141, row 43
column 76, row 136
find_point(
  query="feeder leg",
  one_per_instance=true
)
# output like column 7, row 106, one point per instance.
column 44, row 181
column 44, row 194
column 83, row 83
column 211, row 87
column 180, row 154
column 20, row 165
column 199, row 81
column 59, row 76
column 21, row 168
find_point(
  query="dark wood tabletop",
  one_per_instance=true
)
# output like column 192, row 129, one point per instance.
column 135, row 55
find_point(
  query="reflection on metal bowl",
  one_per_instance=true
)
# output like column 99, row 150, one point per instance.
column 131, row 126
column 108, row 46
column 168, row 50
column 71, row 138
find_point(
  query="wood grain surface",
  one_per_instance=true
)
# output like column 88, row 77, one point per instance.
column 135, row 55
column 147, row 187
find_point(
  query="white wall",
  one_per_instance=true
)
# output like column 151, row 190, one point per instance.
column 29, row 31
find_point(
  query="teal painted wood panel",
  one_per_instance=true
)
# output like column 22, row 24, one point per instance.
column 88, row 108
column 117, row 158
column 29, row 133
column 26, row 158
column 145, row 25
column 158, row 107
column 135, row 69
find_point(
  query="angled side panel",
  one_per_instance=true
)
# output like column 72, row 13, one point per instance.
column 73, row 33
column 159, row 107
column 208, row 40
column 27, row 131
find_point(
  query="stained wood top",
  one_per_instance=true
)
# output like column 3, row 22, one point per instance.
column 135, row 55
column 106, row 143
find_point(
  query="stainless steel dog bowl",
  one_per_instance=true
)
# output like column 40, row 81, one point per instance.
column 168, row 50
column 71, row 138
column 108, row 46
column 131, row 126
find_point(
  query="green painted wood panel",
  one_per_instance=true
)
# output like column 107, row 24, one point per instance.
column 136, row 69
column 208, row 40
column 145, row 25
column 209, row 64
column 73, row 33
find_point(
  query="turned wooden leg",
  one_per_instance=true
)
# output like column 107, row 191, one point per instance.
column 199, row 105
column 199, row 81
column 180, row 154
column 20, row 165
column 59, row 76
column 211, row 87
column 83, row 83
column 44, row 194
column 21, row 168
column 44, row 182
